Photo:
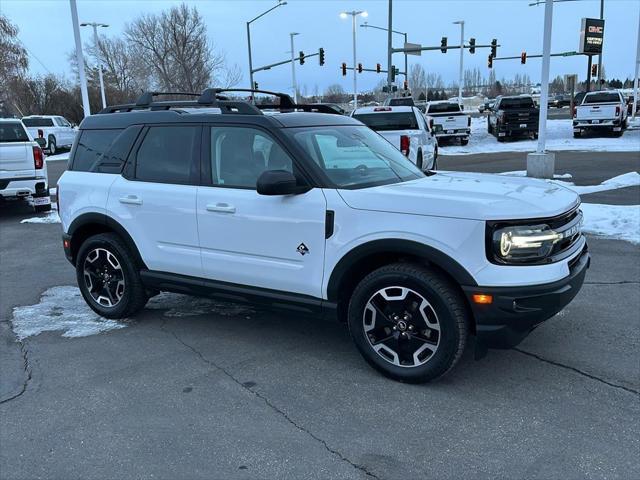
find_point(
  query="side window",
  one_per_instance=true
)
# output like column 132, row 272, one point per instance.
column 239, row 155
column 166, row 155
column 114, row 159
column 91, row 146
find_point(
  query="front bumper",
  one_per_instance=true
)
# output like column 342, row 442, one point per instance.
column 516, row 311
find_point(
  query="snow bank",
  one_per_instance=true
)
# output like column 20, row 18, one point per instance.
column 621, row 222
column 50, row 217
column 630, row 179
column 559, row 137
column 58, row 158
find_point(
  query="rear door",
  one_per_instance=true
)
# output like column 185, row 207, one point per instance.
column 155, row 199
column 16, row 151
column 270, row 242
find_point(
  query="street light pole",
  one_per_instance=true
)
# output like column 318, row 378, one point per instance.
column 461, row 23
column 404, row 34
column 95, row 26
column 354, row 14
column 600, row 56
column 80, row 59
column 293, row 68
column 389, row 45
column 280, row 4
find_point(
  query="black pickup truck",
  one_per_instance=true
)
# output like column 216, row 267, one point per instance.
column 513, row 116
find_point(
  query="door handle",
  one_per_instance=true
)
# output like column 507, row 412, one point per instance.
column 131, row 200
column 221, row 208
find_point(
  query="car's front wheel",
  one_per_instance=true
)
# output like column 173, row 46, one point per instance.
column 109, row 277
column 409, row 322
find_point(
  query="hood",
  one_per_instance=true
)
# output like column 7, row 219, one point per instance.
column 474, row 196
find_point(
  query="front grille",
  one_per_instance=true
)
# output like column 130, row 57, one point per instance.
column 570, row 226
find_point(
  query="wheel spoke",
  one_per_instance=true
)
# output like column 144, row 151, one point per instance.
column 104, row 277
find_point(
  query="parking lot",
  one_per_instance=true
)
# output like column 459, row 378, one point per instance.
column 203, row 389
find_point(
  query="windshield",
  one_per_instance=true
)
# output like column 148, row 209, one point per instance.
column 389, row 121
column 12, row 132
column 355, row 157
column 444, row 108
column 602, row 98
column 38, row 122
column 518, row 102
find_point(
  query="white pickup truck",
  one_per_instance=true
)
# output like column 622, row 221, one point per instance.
column 50, row 131
column 600, row 111
column 23, row 170
column 406, row 129
column 453, row 122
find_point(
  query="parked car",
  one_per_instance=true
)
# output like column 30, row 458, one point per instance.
column 451, row 122
column 513, row 116
column 406, row 129
column 486, row 106
column 23, row 170
column 54, row 131
column 318, row 213
column 561, row 100
column 601, row 111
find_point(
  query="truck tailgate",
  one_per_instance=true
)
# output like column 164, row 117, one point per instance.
column 596, row 112
column 16, row 157
column 454, row 121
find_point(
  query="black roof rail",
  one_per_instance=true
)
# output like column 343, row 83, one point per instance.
column 147, row 97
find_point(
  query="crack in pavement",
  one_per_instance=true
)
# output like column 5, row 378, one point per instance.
column 578, row 371
column 26, row 366
column 211, row 363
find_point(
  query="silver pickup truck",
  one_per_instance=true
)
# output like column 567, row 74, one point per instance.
column 600, row 111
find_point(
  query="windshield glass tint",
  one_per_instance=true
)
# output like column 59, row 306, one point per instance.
column 389, row 121
column 444, row 108
column 355, row 157
column 12, row 132
column 524, row 102
column 602, row 98
column 38, row 122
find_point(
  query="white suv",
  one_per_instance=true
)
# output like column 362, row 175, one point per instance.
column 317, row 213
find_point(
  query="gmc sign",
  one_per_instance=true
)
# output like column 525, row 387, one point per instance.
column 591, row 36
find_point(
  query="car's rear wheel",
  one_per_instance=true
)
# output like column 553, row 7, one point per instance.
column 53, row 146
column 464, row 141
column 419, row 160
column 409, row 322
column 109, row 277
column 577, row 134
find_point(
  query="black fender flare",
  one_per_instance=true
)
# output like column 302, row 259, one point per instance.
column 108, row 224
column 399, row 247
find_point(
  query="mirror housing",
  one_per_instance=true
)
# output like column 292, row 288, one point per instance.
column 279, row 182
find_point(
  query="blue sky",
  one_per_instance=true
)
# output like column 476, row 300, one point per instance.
column 45, row 29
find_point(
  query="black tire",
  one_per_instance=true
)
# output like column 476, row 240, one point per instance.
column 501, row 139
column 133, row 296
column 42, row 208
column 52, row 145
column 464, row 141
column 419, row 160
column 446, row 302
column 577, row 134
column 435, row 159
column 489, row 128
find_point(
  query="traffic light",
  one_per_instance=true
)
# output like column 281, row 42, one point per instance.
column 594, row 70
column 255, row 85
column 359, row 68
column 393, row 73
column 494, row 48
column 523, row 58
column 406, row 85
column 490, row 61
column 472, row 45
column 301, row 57
column 344, row 69
column 321, row 56
column 443, row 45
column 378, row 67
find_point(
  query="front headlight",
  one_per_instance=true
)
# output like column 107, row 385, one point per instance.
column 524, row 243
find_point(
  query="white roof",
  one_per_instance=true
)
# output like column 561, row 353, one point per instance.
column 385, row 109
column 10, row 120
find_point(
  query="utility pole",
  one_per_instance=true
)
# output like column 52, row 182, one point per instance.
column 541, row 164
column 80, row 59
column 461, row 23
column 280, row 4
column 389, row 45
column 600, row 56
column 293, row 68
column 95, row 26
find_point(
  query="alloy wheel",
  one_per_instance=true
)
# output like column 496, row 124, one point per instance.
column 104, row 277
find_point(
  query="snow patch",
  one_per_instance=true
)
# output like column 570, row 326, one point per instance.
column 559, row 137
column 621, row 222
column 50, row 217
column 60, row 157
column 523, row 173
column 60, row 308
column 630, row 179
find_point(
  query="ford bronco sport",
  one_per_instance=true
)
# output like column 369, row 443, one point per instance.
column 317, row 213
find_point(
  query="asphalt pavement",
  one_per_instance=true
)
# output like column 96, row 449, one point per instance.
column 248, row 393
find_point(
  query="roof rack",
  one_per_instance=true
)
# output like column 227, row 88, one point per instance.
column 211, row 97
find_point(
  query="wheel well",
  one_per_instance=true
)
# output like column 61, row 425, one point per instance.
column 340, row 289
column 83, row 232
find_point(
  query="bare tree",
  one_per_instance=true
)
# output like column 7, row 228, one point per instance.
column 417, row 80
column 335, row 93
column 13, row 63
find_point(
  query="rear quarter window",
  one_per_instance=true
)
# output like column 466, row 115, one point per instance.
column 91, row 146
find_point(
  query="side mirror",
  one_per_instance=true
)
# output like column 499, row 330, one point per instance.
column 279, row 182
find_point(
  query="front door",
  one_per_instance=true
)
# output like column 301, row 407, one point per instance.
column 272, row 242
